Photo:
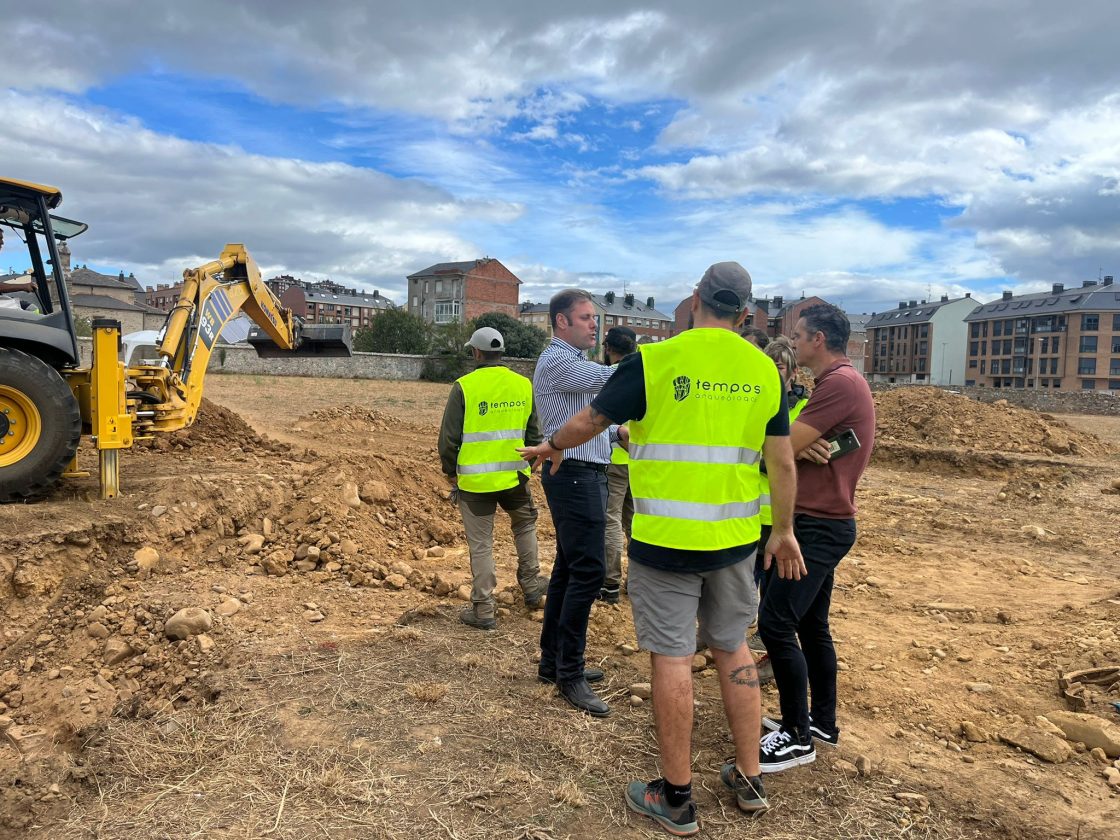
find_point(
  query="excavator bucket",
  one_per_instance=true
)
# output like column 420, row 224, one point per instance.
column 323, row 340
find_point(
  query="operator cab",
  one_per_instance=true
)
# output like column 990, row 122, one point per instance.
column 34, row 308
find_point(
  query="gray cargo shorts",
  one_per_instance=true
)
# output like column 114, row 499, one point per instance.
column 667, row 606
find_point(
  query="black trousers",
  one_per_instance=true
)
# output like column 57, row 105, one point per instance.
column 577, row 498
column 795, row 611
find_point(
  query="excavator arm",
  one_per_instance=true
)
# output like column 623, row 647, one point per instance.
column 121, row 404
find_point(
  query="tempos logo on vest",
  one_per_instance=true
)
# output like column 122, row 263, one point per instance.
column 706, row 389
column 504, row 405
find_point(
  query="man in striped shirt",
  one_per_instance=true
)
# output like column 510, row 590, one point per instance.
column 564, row 384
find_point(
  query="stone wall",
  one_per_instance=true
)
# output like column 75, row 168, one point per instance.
column 1052, row 402
column 241, row 359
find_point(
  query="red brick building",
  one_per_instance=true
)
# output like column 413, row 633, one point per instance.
column 460, row 291
column 684, row 309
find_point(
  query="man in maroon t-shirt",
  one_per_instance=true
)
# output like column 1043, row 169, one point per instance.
column 824, row 522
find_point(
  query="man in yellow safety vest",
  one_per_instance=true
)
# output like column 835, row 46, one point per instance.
column 703, row 408
column 489, row 414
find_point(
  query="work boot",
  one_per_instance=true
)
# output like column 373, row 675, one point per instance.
column 580, row 695
column 470, row 617
column 534, row 594
column 589, row 674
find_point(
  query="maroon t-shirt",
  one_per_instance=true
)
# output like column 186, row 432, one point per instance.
column 840, row 401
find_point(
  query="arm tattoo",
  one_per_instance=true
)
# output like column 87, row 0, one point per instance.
column 745, row 675
column 598, row 419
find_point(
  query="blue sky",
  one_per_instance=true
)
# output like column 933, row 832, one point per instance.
column 865, row 153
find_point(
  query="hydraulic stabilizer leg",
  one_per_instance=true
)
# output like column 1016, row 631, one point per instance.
column 110, row 460
column 112, row 425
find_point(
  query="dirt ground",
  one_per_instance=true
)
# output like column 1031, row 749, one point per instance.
column 334, row 694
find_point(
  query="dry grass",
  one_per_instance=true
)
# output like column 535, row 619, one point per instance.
column 348, row 742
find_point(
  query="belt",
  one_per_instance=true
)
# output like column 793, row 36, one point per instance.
column 587, row 465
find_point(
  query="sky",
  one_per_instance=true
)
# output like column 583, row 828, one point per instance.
column 867, row 152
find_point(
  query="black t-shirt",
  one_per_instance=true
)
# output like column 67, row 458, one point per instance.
column 623, row 399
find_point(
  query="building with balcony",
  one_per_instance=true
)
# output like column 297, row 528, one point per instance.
column 317, row 303
column 919, row 342
column 647, row 322
column 1064, row 340
column 460, row 291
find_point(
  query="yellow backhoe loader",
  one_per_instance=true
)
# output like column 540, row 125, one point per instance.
column 48, row 399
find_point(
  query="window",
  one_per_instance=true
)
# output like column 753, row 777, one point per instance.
column 1007, row 346
column 1005, row 366
column 983, row 364
column 997, row 328
column 924, row 332
column 1116, row 344
column 973, row 348
column 1090, row 323
column 975, row 329
column 1088, row 384
column 983, row 348
column 1057, row 383
column 1114, row 367
column 439, row 287
column 984, row 329
column 1088, row 344
column 1116, row 323
column 415, row 301
column 1007, row 326
column 1114, row 384
column 447, row 311
column 972, row 363
column 1086, row 367
column 1054, row 365
column 610, row 319
column 1045, row 383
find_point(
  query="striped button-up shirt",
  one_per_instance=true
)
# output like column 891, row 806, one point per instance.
column 564, row 383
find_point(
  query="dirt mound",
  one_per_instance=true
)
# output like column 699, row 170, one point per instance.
column 933, row 417
column 216, row 430
column 354, row 417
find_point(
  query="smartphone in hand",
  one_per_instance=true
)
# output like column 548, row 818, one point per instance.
column 842, row 444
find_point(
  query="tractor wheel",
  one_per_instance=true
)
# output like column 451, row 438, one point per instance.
column 39, row 426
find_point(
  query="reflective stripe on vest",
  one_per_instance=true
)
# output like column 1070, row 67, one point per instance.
column 694, row 455
column 497, row 404
column 766, row 512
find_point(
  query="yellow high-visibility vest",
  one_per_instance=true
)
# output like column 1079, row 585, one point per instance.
column 694, row 456
column 497, row 404
column 619, row 455
column 766, row 513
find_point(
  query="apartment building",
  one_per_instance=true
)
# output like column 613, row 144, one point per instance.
column 329, row 303
column 460, row 291
column 919, row 342
column 1064, row 340
column 647, row 322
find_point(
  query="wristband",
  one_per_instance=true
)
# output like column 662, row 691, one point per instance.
column 552, row 442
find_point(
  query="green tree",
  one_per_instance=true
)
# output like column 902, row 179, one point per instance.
column 449, row 338
column 83, row 326
column 394, row 331
column 523, row 341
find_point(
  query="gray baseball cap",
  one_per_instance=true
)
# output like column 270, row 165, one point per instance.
column 487, row 339
column 726, row 287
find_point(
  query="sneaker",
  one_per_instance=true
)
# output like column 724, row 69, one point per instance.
column 748, row 791
column 469, row 617
column 609, row 594
column 650, row 800
column 780, row 751
column 821, row 736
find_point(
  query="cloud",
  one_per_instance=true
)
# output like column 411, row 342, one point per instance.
column 159, row 204
column 1006, row 114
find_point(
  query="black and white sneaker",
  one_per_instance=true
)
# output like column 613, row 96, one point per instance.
column 821, row 736
column 780, row 750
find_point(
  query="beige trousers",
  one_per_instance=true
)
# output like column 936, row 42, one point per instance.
column 478, row 521
column 620, row 513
